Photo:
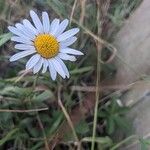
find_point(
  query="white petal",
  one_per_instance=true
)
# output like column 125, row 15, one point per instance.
column 24, row 47
column 14, row 30
column 17, row 32
column 67, row 34
column 63, row 25
column 32, row 61
column 21, row 40
column 71, row 51
column 63, row 66
column 28, row 24
column 25, row 30
column 52, row 70
column 67, row 42
column 36, row 21
column 21, row 55
column 54, row 26
column 46, row 22
column 45, row 65
column 58, row 67
column 66, row 57
column 38, row 66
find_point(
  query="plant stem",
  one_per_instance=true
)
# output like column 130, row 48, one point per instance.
column 43, row 132
column 73, row 9
column 38, row 117
column 23, row 110
column 97, row 83
column 35, row 81
column 96, row 103
column 124, row 141
column 68, row 118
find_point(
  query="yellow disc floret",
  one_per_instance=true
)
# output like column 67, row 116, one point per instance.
column 46, row 45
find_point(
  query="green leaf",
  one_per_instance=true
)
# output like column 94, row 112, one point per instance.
column 37, row 146
column 81, row 70
column 23, row 123
column 57, row 6
column 34, row 130
column 8, row 136
column 5, row 116
column 43, row 96
column 4, row 38
column 82, row 127
column 102, row 114
column 147, row 141
column 144, row 144
column 15, row 91
column 100, row 140
column 110, row 125
column 122, row 123
column 57, row 119
column 123, row 111
column 2, row 5
column 124, row 141
column 114, row 106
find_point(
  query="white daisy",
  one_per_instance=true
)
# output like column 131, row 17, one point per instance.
column 47, row 43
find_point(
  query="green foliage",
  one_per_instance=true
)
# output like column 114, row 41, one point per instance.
column 43, row 96
column 23, row 130
column 145, row 144
column 15, row 92
column 4, row 38
column 114, row 115
column 82, row 128
column 120, row 10
column 2, row 5
column 57, row 6
column 8, row 136
column 100, row 140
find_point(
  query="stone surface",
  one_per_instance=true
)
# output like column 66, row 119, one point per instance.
column 133, row 45
column 139, row 98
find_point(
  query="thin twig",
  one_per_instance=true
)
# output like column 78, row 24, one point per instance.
column 67, row 117
column 73, row 9
column 43, row 132
column 25, row 72
column 110, row 59
column 23, row 111
column 83, row 2
column 103, row 88
column 137, row 141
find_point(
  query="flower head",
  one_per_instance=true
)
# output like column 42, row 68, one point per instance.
column 48, row 43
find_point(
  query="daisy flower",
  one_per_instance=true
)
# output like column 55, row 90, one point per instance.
column 48, row 43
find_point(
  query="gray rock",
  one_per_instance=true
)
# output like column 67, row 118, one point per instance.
column 133, row 45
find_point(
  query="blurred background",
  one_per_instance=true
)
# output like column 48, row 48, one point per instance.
column 114, row 73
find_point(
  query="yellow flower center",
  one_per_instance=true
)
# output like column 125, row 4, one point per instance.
column 46, row 45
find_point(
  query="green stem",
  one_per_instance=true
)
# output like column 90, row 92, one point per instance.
column 97, row 80
column 38, row 117
column 96, row 103
column 123, row 142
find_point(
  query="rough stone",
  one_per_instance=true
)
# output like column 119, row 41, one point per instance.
column 133, row 45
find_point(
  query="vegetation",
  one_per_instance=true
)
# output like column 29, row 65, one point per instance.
column 38, row 113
